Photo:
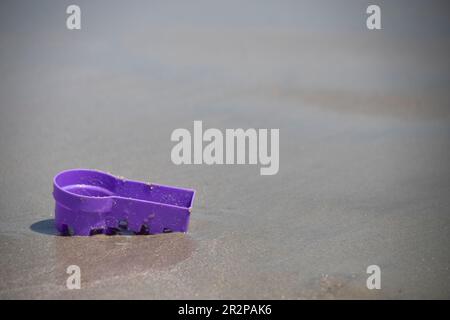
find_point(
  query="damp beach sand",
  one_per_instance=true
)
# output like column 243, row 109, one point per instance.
column 364, row 119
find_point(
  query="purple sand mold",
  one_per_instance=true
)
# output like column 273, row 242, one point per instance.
column 90, row 202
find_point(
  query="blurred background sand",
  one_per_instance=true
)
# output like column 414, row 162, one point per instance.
column 364, row 145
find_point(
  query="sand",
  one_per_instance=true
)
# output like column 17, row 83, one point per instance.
column 364, row 147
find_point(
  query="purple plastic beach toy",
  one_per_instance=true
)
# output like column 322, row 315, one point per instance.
column 91, row 202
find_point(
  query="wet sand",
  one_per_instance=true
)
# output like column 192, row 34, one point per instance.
column 364, row 121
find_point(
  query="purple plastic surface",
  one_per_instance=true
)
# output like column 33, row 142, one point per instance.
column 91, row 202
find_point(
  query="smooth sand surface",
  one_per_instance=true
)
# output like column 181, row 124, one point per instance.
column 364, row 119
